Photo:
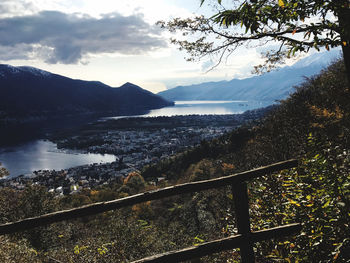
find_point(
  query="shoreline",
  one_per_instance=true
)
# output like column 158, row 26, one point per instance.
column 135, row 142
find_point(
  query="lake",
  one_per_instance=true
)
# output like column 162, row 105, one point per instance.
column 32, row 153
column 44, row 155
column 207, row 108
column 204, row 108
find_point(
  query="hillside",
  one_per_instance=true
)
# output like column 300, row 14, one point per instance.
column 271, row 86
column 31, row 92
column 312, row 125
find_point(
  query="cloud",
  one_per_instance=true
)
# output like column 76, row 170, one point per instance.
column 56, row 37
column 9, row 8
column 11, row 52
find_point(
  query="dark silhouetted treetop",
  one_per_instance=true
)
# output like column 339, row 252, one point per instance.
column 296, row 26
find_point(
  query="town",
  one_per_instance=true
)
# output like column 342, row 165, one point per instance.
column 135, row 142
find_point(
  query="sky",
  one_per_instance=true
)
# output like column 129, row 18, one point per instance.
column 112, row 41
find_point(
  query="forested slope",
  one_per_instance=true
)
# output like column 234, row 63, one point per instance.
column 311, row 125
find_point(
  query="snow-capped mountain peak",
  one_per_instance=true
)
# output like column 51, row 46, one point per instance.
column 35, row 71
column 8, row 69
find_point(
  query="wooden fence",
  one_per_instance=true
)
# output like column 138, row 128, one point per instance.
column 244, row 240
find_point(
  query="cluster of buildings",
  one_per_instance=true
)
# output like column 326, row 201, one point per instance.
column 133, row 148
column 69, row 181
column 140, row 146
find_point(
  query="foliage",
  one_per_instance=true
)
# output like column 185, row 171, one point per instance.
column 3, row 171
column 134, row 182
column 18, row 251
column 316, row 194
column 176, row 166
column 290, row 26
column 312, row 125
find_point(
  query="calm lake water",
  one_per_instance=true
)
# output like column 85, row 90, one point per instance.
column 44, row 155
column 26, row 157
column 204, row 108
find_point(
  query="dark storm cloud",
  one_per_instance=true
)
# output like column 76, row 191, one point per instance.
column 67, row 38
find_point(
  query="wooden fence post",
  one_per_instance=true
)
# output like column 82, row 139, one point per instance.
column 241, row 202
column 244, row 240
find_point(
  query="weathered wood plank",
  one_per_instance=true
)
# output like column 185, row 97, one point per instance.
column 220, row 245
column 100, row 207
column 241, row 206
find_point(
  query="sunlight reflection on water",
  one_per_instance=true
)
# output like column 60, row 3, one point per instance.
column 203, row 108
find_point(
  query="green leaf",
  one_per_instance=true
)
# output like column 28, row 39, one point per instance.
column 326, row 204
column 198, row 239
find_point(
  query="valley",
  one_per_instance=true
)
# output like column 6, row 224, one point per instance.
column 135, row 143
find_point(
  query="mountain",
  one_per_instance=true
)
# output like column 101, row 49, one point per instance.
column 31, row 92
column 269, row 87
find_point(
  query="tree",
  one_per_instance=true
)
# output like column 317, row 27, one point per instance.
column 295, row 25
column 3, row 171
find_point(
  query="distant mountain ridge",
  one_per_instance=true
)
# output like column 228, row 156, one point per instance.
column 271, row 86
column 32, row 92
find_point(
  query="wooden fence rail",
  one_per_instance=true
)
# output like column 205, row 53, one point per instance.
column 221, row 245
column 244, row 240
